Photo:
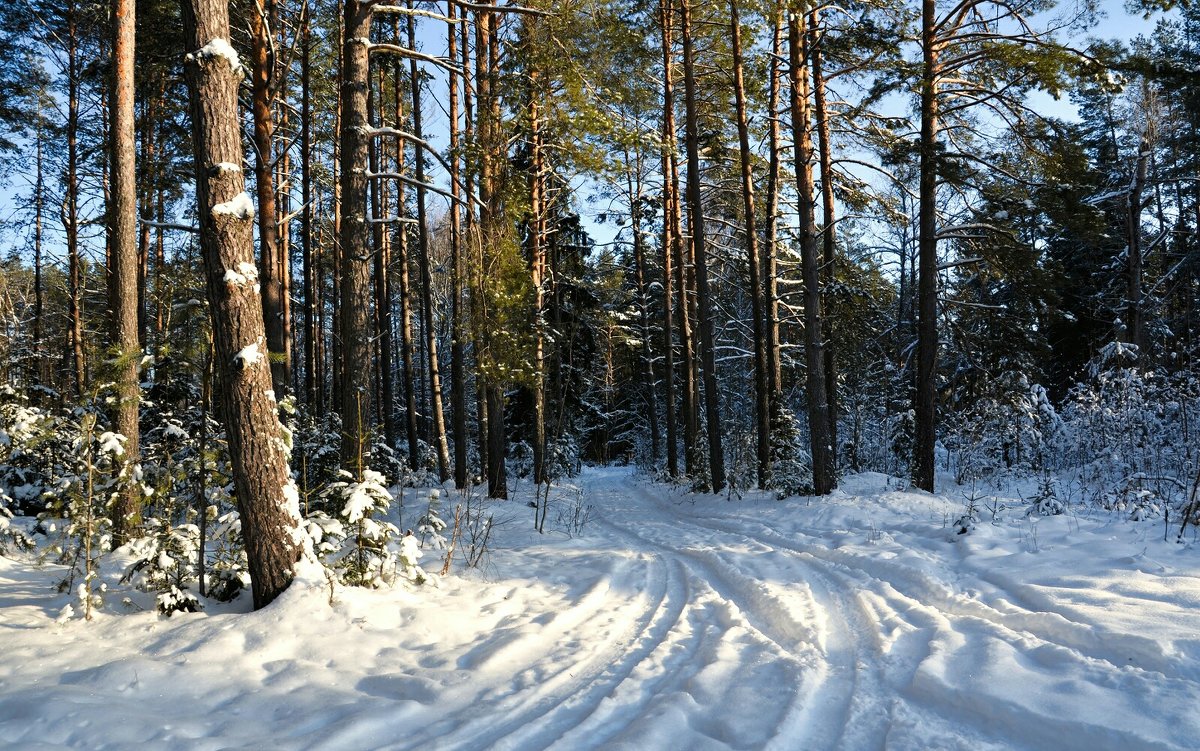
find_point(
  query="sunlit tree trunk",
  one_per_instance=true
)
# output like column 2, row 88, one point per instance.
column 123, row 275
column 268, row 504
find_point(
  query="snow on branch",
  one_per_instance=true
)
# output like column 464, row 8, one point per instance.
column 396, row 49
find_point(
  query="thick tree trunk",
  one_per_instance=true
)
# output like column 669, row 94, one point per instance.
column 712, row 409
column 925, row 398
column 829, row 231
column 818, row 406
column 762, row 409
column 123, row 275
column 355, row 295
column 268, row 503
column 491, row 224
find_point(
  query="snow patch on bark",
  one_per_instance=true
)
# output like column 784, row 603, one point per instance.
column 240, row 207
column 249, row 356
column 219, row 48
column 245, row 273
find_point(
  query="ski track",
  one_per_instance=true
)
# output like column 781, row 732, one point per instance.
column 686, row 626
column 860, row 631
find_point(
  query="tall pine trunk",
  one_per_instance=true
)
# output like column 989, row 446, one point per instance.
column 762, row 409
column 437, row 425
column 818, row 406
column 672, row 246
column 355, row 298
column 925, row 398
column 263, row 87
column 458, row 384
column 268, row 503
column 829, row 231
column 123, row 279
column 712, row 409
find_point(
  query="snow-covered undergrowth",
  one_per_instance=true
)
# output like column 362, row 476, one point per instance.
column 667, row 621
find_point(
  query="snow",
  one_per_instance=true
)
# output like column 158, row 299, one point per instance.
column 239, row 207
column 219, row 49
column 249, row 355
column 672, row 621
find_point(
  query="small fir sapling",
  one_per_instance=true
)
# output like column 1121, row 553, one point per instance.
column 410, row 553
column 228, row 571
column 1046, row 501
column 367, row 556
column 430, row 525
column 791, row 465
column 81, row 502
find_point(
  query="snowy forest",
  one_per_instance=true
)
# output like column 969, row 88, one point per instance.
column 320, row 301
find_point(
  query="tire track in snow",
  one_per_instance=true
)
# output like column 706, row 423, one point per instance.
column 922, row 589
column 832, row 672
column 546, row 673
column 942, row 621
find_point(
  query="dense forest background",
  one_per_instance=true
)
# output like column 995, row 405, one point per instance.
column 740, row 244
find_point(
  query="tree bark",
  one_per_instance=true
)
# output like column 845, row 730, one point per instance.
column 267, row 500
column 712, row 409
column 75, row 361
column 355, row 298
column 491, row 223
column 308, row 259
column 382, row 258
column 263, row 87
column 761, row 395
column 123, row 275
column 458, row 384
column 1134, row 328
column 672, row 247
column 436, row 412
column 829, row 231
column 537, row 263
column 818, row 406
column 634, row 190
column 925, row 398
column 770, row 246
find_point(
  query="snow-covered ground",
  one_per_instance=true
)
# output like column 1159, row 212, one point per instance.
column 672, row 622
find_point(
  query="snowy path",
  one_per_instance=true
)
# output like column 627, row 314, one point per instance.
column 672, row 623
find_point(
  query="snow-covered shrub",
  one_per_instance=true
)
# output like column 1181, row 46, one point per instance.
column 430, row 525
column 791, row 464
column 1125, row 421
column 166, row 563
column 227, row 571
column 1138, row 497
column 1012, row 428
column 1047, row 501
column 407, row 557
column 367, row 556
column 78, row 509
column 36, row 447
